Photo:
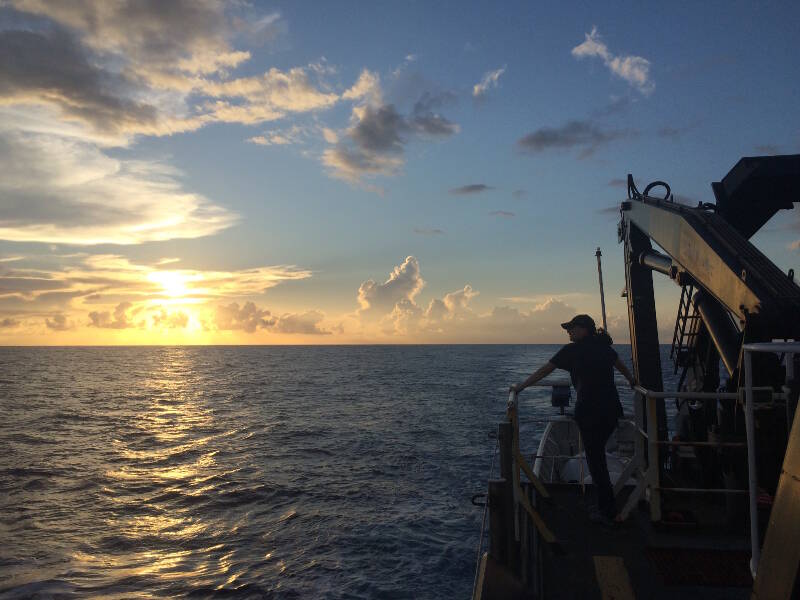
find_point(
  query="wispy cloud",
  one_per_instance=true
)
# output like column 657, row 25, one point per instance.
column 585, row 135
column 501, row 213
column 61, row 190
column 428, row 231
column 518, row 194
column 489, row 80
column 633, row 69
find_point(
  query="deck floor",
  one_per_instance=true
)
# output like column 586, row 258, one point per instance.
column 572, row 575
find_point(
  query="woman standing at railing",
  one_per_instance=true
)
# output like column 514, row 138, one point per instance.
column 590, row 360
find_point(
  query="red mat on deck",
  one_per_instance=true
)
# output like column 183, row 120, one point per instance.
column 685, row 566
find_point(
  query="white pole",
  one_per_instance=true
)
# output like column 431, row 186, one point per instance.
column 751, row 460
column 598, row 254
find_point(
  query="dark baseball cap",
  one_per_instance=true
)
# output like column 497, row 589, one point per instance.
column 584, row 321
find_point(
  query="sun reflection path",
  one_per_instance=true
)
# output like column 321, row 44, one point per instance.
column 167, row 456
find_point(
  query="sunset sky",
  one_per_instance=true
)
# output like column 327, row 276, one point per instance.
column 370, row 172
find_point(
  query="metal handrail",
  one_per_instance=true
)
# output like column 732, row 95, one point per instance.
column 789, row 349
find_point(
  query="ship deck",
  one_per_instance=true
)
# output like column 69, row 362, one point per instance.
column 635, row 559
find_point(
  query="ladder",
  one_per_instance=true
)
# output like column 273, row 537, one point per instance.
column 687, row 325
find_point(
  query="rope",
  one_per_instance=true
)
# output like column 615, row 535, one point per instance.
column 483, row 523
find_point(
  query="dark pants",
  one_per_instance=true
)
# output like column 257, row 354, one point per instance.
column 594, row 444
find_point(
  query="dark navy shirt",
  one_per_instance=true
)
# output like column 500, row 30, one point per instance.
column 590, row 363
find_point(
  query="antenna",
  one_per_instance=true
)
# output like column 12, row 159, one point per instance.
column 598, row 254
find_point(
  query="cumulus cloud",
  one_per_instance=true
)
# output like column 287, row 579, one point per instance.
column 119, row 319
column 633, row 69
column 59, row 322
column 586, row 136
column 250, row 317
column 247, row 318
column 404, row 283
column 8, row 323
column 170, row 320
column 307, row 323
column 488, row 81
column 472, row 188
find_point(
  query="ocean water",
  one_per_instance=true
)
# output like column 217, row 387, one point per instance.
column 252, row 472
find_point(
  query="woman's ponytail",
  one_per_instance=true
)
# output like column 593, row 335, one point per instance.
column 601, row 335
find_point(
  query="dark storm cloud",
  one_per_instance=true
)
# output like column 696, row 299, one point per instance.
column 472, row 188
column 584, row 135
column 51, row 66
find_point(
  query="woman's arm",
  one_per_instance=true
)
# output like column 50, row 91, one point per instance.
column 624, row 370
column 543, row 372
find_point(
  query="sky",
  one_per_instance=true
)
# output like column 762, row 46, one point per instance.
column 202, row 172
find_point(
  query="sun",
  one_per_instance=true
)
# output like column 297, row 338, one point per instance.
column 172, row 282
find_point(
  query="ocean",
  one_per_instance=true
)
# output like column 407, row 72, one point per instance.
column 253, row 471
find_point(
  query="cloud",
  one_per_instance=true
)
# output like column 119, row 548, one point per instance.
column 585, row 135
column 519, row 194
column 375, row 142
column 394, row 311
column 428, row 231
column 472, row 188
column 404, row 283
column 367, row 86
column 51, row 67
column 170, row 320
column 487, row 82
column 501, row 213
column 59, row 322
column 795, row 245
column 616, row 182
column 108, row 72
column 307, row 323
column 61, row 190
column 425, row 120
column 8, row 323
column 106, row 320
column 250, row 318
column 291, row 135
column 247, row 318
column 633, row 69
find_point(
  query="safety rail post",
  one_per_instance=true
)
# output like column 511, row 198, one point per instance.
column 509, row 505
column 653, row 463
column 789, row 349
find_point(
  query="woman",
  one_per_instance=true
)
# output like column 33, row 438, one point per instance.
column 590, row 360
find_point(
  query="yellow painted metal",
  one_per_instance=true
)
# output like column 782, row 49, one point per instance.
column 612, row 578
